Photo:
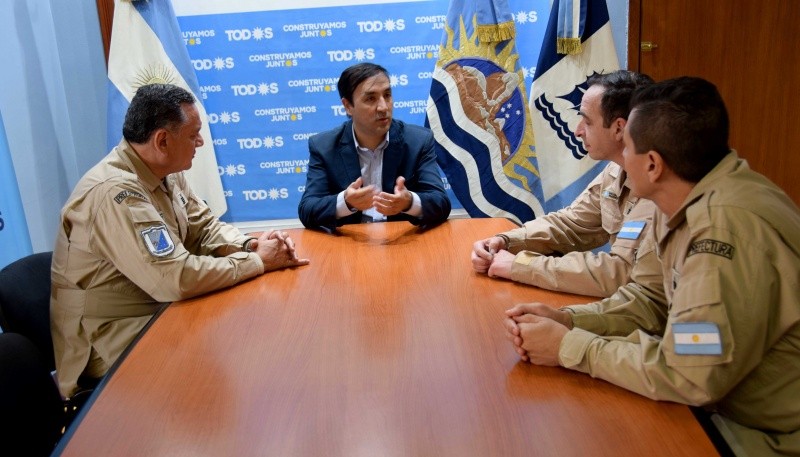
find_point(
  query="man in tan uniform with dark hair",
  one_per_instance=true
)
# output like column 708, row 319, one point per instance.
column 134, row 236
column 725, row 331
column 554, row 251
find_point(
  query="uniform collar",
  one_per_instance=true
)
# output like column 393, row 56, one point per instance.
column 129, row 156
column 619, row 175
column 725, row 166
column 618, row 186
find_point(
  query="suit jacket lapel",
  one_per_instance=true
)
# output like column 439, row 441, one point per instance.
column 347, row 154
column 392, row 156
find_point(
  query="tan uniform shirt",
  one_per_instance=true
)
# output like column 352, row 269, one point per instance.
column 592, row 220
column 725, row 330
column 127, row 244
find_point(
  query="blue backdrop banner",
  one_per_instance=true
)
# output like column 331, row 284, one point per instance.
column 268, row 81
column 15, row 242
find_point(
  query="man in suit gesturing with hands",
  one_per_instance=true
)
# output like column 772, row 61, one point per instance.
column 372, row 168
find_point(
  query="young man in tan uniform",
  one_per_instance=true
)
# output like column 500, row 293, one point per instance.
column 725, row 331
column 134, row 236
column 554, row 251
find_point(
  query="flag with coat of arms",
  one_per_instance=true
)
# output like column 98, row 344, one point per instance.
column 478, row 112
column 146, row 48
column 577, row 44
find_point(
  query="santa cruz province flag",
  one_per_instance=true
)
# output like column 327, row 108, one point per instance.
column 478, row 113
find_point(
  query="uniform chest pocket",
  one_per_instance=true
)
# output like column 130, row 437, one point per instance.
column 141, row 215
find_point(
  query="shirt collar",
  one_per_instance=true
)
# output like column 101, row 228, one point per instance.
column 380, row 147
column 129, row 155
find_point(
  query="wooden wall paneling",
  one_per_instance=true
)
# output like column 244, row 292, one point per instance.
column 105, row 13
column 634, row 33
column 748, row 49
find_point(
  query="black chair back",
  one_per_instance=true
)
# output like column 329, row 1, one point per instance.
column 25, row 301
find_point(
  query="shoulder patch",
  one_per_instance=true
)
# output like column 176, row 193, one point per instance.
column 631, row 230
column 158, row 241
column 711, row 247
column 697, row 338
column 129, row 193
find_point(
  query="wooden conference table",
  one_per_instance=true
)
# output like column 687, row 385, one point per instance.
column 388, row 344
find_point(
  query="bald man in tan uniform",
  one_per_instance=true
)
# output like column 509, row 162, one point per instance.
column 134, row 236
column 725, row 332
column 554, row 251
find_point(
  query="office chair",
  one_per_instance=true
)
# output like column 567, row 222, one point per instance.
column 32, row 410
column 25, row 301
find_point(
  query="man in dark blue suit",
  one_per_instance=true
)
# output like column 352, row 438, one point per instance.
column 371, row 168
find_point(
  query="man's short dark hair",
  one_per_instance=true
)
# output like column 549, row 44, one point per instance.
column 353, row 76
column 154, row 106
column 618, row 88
column 684, row 120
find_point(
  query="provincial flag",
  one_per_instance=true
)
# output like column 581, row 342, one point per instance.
column 577, row 44
column 14, row 237
column 147, row 47
column 477, row 110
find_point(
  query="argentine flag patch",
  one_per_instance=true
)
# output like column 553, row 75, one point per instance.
column 697, row 338
column 158, row 241
column 631, row 230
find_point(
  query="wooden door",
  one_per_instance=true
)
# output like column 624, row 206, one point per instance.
column 751, row 51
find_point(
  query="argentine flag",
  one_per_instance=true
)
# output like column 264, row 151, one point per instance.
column 577, row 44
column 147, row 47
column 478, row 112
column 15, row 243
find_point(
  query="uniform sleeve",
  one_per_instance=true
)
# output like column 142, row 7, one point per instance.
column 132, row 235
column 585, row 273
column 640, row 304
column 577, row 227
column 573, row 231
column 721, row 305
column 207, row 235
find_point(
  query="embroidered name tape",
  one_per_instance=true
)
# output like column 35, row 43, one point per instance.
column 182, row 199
column 711, row 247
column 631, row 230
column 158, row 241
column 128, row 193
column 697, row 338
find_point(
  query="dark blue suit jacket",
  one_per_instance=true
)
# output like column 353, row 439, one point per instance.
column 333, row 165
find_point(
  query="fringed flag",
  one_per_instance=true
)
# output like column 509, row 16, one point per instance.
column 479, row 116
column 577, row 44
